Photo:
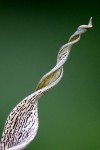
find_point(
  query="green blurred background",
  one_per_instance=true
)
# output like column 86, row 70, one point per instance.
column 31, row 34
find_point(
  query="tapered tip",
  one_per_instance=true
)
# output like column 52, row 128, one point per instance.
column 90, row 23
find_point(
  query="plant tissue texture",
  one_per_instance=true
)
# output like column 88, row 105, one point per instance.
column 22, row 123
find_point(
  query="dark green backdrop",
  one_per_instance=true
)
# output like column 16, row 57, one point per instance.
column 31, row 34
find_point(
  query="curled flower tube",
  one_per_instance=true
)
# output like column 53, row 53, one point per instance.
column 22, row 123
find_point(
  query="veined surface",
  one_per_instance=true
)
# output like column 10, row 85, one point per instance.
column 22, row 124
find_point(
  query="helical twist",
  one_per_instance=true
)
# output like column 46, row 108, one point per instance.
column 22, row 123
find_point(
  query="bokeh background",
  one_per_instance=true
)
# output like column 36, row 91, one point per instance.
column 31, row 34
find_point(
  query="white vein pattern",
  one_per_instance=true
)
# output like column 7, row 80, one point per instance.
column 22, row 123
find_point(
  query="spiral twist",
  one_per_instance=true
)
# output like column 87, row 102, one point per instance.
column 22, row 124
